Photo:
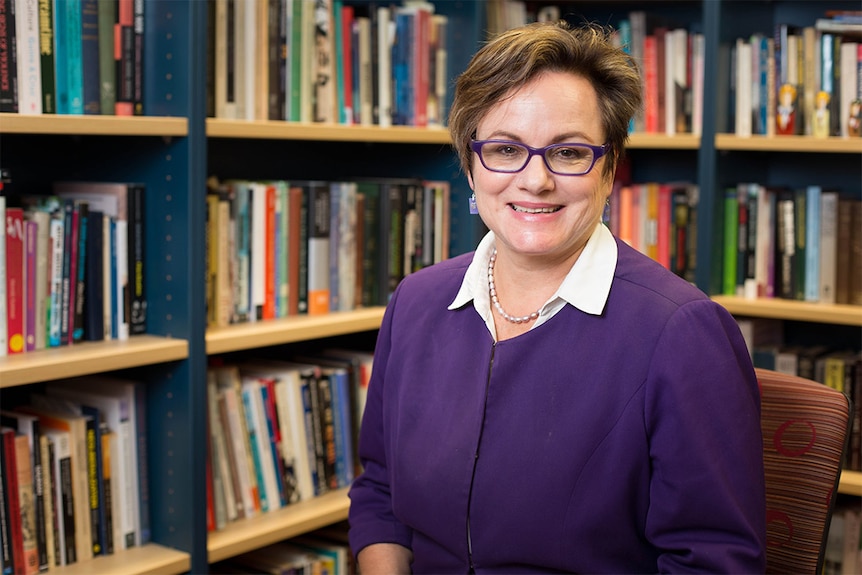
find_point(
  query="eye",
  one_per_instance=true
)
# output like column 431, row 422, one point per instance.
column 571, row 153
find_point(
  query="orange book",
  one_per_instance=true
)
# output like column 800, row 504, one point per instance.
column 269, row 254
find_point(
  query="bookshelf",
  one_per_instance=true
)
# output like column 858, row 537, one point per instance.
column 175, row 147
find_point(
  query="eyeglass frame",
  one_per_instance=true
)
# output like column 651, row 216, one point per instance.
column 598, row 153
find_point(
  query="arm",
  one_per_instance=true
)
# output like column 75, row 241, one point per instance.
column 707, row 494
column 372, row 521
column 384, row 559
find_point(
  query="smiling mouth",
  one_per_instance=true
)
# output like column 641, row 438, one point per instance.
column 524, row 210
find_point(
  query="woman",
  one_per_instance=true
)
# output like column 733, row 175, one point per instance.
column 555, row 401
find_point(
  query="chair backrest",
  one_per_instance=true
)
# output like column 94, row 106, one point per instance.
column 806, row 429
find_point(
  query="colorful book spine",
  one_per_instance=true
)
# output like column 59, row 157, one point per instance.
column 15, row 279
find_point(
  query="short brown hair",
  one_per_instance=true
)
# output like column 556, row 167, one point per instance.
column 515, row 57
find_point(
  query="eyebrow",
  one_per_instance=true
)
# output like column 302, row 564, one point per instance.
column 561, row 139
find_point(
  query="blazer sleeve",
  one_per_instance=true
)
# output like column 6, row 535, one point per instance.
column 707, row 496
column 371, row 517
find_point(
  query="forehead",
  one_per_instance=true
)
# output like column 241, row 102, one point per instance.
column 551, row 102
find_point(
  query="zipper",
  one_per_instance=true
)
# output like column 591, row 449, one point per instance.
column 472, row 569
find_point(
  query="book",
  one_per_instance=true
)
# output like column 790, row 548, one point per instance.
column 126, row 203
column 93, row 292
column 287, row 387
column 812, row 243
column 124, row 49
column 58, row 415
column 27, row 426
column 64, row 497
column 107, row 18
column 91, row 89
column 224, row 492
column 29, row 60
column 46, row 56
column 828, row 246
column 8, row 58
column 14, row 239
column 318, row 222
column 27, row 506
column 125, row 407
column 13, row 553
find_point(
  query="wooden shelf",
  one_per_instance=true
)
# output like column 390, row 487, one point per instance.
column 788, row 144
column 93, row 125
column 150, row 559
column 89, row 357
column 851, row 483
column 644, row 141
column 291, row 329
column 274, row 130
column 777, row 308
column 267, row 528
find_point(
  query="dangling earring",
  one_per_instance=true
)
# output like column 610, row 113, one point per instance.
column 474, row 209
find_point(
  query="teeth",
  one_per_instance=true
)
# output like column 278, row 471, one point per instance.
column 534, row 211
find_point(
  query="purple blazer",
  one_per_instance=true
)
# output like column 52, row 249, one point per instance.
column 623, row 443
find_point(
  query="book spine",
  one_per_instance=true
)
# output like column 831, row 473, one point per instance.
column 30, row 234
column 8, row 58
column 138, row 58
column 24, row 468
column 29, row 74
column 57, row 258
column 107, row 18
column 15, row 280
column 6, row 544
column 80, row 271
column 74, row 54
column 13, row 498
column 90, row 81
column 137, row 259
column 124, row 57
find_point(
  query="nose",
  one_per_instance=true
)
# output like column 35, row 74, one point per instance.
column 536, row 177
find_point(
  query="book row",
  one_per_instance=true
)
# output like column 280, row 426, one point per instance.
column 72, row 56
column 322, row 551
column 802, row 243
column 798, row 80
column 328, row 61
column 73, row 266
column 281, row 431
column 670, row 57
column 73, row 470
column 659, row 219
column 279, row 248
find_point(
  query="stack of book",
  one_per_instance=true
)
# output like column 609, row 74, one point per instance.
column 73, row 463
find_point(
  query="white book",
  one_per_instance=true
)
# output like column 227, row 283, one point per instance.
column 223, row 108
column 248, row 53
column 116, row 412
column 828, row 245
column 29, row 56
column 698, row 48
column 764, row 246
column 847, row 89
column 366, row 116
column 258, row 250
column 385, row 35
column 294, row 437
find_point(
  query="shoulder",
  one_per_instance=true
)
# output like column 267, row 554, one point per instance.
column 645, row 280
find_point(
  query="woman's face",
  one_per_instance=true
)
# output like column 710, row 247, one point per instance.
column 536, row 212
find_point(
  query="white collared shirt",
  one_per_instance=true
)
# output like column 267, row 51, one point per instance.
column 586, row 286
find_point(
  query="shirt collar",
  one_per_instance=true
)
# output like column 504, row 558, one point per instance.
column 586, row 286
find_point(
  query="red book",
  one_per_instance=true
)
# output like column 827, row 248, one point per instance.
column 269, row 254
column 294, row 228
column 347, row 59
column 13, row 505
column 651, row 85
column 15, row 279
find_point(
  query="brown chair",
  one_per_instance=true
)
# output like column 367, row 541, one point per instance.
column 806, row 430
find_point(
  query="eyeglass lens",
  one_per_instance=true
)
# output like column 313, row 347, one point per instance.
column 560, row 158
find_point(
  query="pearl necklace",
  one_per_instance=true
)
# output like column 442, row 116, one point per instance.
column 492, row 289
